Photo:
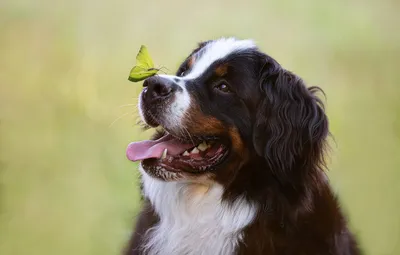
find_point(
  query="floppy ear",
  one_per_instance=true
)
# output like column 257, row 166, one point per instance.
column 291, row 126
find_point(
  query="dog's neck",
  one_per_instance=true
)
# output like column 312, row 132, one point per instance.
column 193, row 217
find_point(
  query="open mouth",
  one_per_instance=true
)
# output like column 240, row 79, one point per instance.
column 176, row 155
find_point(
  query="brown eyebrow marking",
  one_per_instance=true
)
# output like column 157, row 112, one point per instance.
column 191, row 61
column 221, row 70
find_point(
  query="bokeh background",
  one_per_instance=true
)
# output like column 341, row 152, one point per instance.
column 67, row 110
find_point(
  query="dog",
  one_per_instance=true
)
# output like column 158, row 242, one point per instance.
column 237, row 162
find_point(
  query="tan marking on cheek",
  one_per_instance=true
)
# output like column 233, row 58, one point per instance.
column 206, row 124
column 198, row 123
column 228, row 173
column 221, row 70
column 237, row 143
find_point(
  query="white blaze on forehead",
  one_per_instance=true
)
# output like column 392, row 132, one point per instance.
column 216, row 50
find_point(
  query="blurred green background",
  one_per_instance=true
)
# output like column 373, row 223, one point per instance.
column 65, row 184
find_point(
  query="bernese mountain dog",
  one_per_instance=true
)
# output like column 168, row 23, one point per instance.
column 237, row 162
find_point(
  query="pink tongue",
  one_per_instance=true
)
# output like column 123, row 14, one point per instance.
column 155, row 148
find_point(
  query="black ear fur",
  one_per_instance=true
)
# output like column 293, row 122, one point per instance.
column 291, row 126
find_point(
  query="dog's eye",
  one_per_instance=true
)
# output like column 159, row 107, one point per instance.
column 223, row 88
column 182, row 73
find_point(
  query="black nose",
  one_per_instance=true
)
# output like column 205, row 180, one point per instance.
column 157, row 87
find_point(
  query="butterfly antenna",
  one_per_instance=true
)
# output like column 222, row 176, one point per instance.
column 162, row 69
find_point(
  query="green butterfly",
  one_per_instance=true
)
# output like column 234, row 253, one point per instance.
column 144, row 66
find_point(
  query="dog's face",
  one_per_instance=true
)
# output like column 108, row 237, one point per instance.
column 227, row 104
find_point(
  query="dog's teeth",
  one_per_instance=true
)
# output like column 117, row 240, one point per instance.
column 195, row 151
column 203, row 146
column 164, row 155
column 186, row 153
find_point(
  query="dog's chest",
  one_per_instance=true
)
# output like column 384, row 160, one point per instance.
column 193, row 219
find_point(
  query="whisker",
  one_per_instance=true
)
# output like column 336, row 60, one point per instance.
column 163, row 71
column 191, row 139
column 142, row 125
column 163, row 67
column 120, row 117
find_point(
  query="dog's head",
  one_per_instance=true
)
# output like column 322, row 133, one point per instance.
column 228, row 104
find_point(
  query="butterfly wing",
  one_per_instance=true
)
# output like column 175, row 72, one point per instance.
column 144, row 66
column 143, row 58
column 139, row 73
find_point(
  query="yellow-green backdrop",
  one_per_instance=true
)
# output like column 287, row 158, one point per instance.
column 65, row 184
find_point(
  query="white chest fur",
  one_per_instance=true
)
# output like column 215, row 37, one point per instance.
column 193, row 219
